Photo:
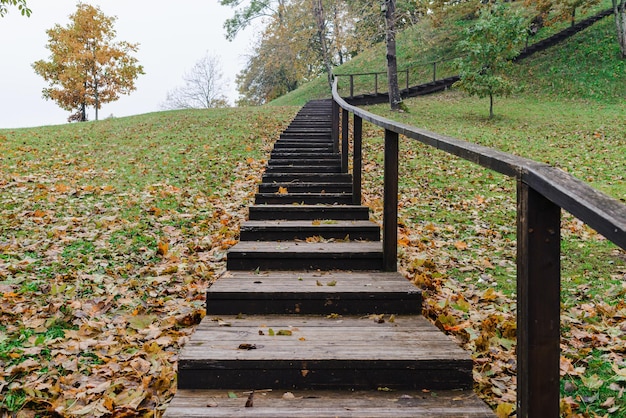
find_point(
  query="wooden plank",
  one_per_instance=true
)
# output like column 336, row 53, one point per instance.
column 281, row 230
column 351, row 352
column 313, row 293
column 290, row 281
column 316, row 338
column 321, row 404
column 372, row 280
column 305, row 168
column 306, row 187
column 308, row 212
column 308, row 177
column 268, row 255
column 303, row 198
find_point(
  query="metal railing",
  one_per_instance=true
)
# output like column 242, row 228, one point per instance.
column 542, row 191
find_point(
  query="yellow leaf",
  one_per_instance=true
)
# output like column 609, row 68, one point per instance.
column 504, row 410
column 282, row 190
column 316, row 223
column 490, row 295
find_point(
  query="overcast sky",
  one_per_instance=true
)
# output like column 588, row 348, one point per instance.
column 172, row 37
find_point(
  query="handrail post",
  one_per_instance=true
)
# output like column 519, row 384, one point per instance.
column 335, row 126
column 390, row 210
column 434, row 71
column 407, row 78
column 351, row 85
column 345, row 122
column 538, row 304
column 376, row 83
column 357, row 159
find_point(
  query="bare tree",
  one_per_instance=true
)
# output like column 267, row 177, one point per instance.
column 203, row 89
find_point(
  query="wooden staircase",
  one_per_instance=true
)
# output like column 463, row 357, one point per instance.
column 304, row 323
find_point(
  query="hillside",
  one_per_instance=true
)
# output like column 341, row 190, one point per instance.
column 598, row 73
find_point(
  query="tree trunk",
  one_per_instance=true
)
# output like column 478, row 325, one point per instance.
column 490, row 106
column 96, row 97
column 318, row 10
column 619, row 10
column 395, row 100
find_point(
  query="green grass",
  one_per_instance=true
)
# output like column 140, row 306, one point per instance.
column 586, row 66
column 85, row 206
column 84, row 209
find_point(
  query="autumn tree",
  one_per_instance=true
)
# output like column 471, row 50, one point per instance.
column 203, row 88
column 20, row 4
column 488, row 46
column 250, row 10
column 301, row 40
column 86, row 66
column 282, row 58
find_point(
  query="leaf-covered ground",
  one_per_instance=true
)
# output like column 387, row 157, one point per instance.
column 457, row 240
column 110, row 233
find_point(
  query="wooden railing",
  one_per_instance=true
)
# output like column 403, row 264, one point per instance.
column 407, row 81
column 542, row 191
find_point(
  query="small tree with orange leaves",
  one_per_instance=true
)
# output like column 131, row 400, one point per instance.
column 86, row 67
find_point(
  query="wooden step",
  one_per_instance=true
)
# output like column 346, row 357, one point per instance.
column 271, row 255
column 190, row 403
column 304, row 161
column 307, row 177
column 306, row 187
column 313, row 136
column 350, row 352
column 304, row 145
column 318, row 151
column 301, row 230
column 303, row 198
column 282, row 155
column 306, row 293
column 308, row 212
column 318, row 168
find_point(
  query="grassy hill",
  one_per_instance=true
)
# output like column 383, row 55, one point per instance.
column 584, row 67
column 110, row 231
column 457, row 220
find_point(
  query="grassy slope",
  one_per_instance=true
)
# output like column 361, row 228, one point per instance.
column 134, row 182
column 571, row 115
column 109, row 229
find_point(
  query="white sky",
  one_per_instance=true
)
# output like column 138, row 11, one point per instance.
column 172, row 37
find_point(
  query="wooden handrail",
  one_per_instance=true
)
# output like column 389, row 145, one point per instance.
column 406, row 71
column 542, row 191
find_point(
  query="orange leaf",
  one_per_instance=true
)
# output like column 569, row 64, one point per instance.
column 282, row 190
column 162, row 248
column 460, row 245
column 61, row 188
column 404, row 241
